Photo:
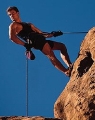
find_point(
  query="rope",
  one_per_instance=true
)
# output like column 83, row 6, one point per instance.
column 58, row 33
column 45, row 33
column 26, row 87
column 74, row 32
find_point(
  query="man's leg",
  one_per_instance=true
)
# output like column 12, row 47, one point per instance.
column 63, row 52
column 50, row 54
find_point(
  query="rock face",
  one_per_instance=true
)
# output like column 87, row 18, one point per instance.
column 77, row 101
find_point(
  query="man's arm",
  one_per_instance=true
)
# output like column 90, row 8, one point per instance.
column 35, row 29
column 47, row 35
column 12, row 35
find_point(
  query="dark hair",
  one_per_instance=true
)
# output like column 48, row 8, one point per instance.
column 12, row 8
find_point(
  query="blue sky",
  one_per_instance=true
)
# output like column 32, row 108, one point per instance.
column 45, row 83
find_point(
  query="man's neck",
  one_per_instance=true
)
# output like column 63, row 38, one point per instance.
column 19, row 20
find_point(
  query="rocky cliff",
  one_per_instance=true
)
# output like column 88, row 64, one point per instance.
column 77, row 101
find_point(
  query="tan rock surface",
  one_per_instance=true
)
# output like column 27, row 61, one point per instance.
column 77, row 101
column 26, row 118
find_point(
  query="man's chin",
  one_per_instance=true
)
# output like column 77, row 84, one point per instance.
column 13, row 20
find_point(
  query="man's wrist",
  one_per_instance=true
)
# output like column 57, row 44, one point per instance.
column 27, row 46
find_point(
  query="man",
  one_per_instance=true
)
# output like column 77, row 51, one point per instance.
column 35, row 38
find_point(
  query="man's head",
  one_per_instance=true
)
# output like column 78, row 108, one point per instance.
column 13, row 13
column 12, row 8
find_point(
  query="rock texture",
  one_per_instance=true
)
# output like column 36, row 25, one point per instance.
column 26, row 118
column 77, row 101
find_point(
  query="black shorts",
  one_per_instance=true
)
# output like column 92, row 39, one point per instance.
column 39, row 41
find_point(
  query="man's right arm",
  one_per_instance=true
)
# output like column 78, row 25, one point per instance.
column 12, row 35
column 14, row 38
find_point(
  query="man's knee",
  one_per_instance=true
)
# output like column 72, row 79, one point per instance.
column 53, row 59
column 63, row 45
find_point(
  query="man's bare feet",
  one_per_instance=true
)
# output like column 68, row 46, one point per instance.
column 69, row 70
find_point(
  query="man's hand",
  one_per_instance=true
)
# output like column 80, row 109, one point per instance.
column 56, row 33
column 30, row 55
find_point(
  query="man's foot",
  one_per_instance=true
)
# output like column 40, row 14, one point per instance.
column 30, row 55
column 69, row 70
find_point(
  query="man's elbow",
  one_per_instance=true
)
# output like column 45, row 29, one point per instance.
column 11, row 38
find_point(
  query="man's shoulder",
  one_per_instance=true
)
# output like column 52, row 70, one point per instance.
column 29, row 23
column 14, row 24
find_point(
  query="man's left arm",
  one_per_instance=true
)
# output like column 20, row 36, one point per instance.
column 46, row 35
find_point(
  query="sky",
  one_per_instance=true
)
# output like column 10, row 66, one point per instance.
column 45, row 82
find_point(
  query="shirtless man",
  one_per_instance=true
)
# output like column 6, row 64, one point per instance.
column 19, row 31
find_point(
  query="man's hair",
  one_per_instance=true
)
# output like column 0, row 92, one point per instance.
column 12, row 8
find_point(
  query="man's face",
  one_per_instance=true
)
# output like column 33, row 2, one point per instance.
column 13, row 15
